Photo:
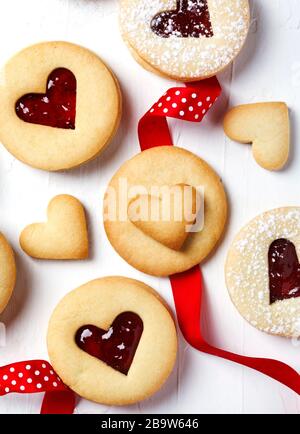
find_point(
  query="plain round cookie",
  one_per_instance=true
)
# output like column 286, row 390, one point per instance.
column 7, row 272
column 166, row 166
column 247, row 272
column 185, row 58
column 99, row 302
column 98, row 107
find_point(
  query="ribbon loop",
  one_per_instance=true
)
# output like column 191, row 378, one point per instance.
column 189, row 103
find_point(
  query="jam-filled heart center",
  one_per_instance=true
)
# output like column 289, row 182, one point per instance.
column 117, row 346
column 191, row 18
column 57, row 107
column 284, row 271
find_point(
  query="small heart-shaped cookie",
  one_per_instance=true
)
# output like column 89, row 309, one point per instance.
column 65, row 234
column 166, row 217
column 266, row 126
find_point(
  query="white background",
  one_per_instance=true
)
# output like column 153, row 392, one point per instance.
column 267, row 70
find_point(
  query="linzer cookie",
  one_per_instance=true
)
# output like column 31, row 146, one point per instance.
column 185, row 40
column 263, row 272
column 60, row 105
column 113, row 341
column 165, row 210
column 7, row 272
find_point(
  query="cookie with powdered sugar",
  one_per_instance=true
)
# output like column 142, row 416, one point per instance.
column 187, row 40
column 263, row 272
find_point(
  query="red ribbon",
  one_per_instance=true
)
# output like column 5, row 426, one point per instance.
column 36, row 376
column 187, row 291
column 191, row 104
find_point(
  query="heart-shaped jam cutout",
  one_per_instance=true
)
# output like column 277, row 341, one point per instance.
column 115, row 347
column 284, row 271
column 57, row 107
column 191, row 18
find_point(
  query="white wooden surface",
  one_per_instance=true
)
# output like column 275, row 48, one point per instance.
column 267, row 69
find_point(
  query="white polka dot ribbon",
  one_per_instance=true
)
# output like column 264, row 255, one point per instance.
column 29, row 377
column 37, row 376
column 190, row 103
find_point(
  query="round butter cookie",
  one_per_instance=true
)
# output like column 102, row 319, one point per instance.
column 113, row 341
column 165, row 210
column 7, row 273
column 60, row 105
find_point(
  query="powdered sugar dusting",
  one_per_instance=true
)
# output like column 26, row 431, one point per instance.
column 247, row 272
column 186, row 57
